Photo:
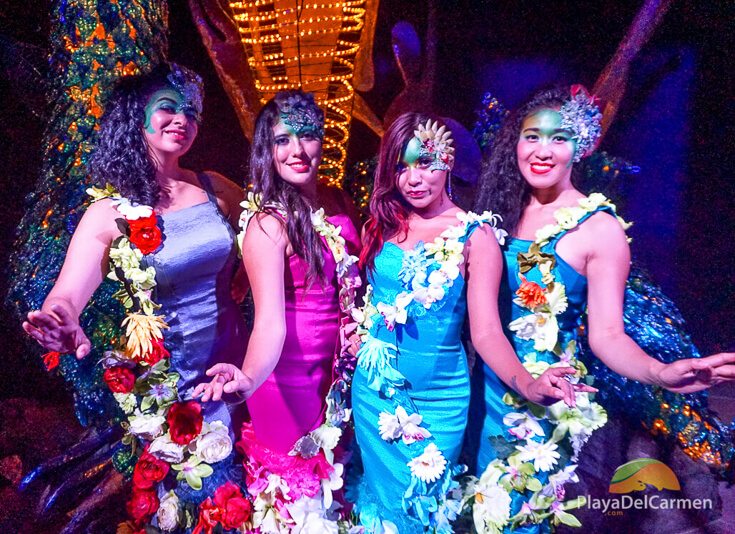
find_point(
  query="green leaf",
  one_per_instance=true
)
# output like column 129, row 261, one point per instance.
column 146, row 403
column 568, row 519
column 533, row 484
column 574, row 503
column 192, row 479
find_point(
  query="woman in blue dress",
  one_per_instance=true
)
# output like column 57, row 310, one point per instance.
column 166, row 234
column 427, row 263
column 567, row 254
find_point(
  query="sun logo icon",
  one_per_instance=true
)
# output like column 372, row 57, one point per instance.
column 641, row 473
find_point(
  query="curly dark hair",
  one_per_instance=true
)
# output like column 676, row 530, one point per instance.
column 272, row 189
column 121, row 156
column 503, row 189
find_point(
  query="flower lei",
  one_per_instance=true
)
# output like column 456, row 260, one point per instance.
column 528, row 452
column 433, row 496
column 281, row 505
column 173, row 433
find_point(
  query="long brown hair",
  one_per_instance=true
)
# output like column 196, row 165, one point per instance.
column 388, row 210
column 273, row 190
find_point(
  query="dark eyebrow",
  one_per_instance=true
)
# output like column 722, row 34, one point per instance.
column 164, row 97
column 556, row 130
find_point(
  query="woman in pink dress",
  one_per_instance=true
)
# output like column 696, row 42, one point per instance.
column 297, row 236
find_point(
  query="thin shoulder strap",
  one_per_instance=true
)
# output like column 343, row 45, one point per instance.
column 206, row 182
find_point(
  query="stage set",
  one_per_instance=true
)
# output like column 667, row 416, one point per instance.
column 126, row 440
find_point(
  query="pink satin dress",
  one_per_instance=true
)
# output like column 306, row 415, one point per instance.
column 290, row 403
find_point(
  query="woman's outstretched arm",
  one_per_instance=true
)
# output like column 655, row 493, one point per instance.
column 56, row 325
column 608, row 265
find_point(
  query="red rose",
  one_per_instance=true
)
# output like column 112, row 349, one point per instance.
column 142, row 505
column 185, row 421
column 149, row 471
column 208, row 518
column 234, row 508
column 119, row 379
column 51, row 360
column 157, row 353
column 145, row 234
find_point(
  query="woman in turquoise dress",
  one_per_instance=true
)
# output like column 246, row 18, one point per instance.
column 567, row 255
column 410, row 392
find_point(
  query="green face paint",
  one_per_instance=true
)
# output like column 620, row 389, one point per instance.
column 412, row 153
column 546, row 126
column 169, row 100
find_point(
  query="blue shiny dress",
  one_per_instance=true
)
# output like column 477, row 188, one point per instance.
column 194, row 270
column 488, row 407
column 421, row 367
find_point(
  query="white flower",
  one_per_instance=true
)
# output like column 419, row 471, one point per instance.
column 397, row 313
column 542, row 327
column 542, row 454
column 327, row 436
column 317, row 217
column 165, row 449
column 126, row 401
column 131, row 212
column 308, row 516
column 144, row 279
column 388, row 426
column 558, row 479
column 333, row 483
column 491, row 510
column 545, row 232
column 449, row 269
column 524, row 425
column 213, row 444
column 401, row 425
column 568, row 217
column 168, row 512
column 124, row 256
column 592, row 202
column 557, row 299
column 428, row 466
column 145, row 426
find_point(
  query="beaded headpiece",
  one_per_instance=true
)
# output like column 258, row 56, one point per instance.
column 189, row 84
column 300, row 113
column 436, row 143
column 581, row 116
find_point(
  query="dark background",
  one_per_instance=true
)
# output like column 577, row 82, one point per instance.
column 676, row 122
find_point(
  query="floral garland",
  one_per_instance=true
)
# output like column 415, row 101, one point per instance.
column 296, row 502
column 433, row 496
column 528, row 455
column 174, row 436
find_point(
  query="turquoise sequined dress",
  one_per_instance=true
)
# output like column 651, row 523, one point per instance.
column 489, row 390
column 413, row 369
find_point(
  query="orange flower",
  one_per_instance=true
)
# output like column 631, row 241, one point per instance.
column 531, row 294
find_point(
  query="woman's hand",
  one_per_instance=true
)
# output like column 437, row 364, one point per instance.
column 553, row 386
column 57, row 331
column 696, row 374
column 226, row 378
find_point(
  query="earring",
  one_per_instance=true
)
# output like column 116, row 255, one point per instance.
column 449, row 186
